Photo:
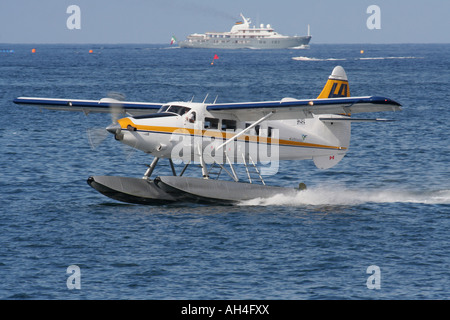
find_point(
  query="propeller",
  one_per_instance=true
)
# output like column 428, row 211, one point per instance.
column 96, row 136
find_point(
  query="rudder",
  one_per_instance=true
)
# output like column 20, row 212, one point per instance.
column 337, row 85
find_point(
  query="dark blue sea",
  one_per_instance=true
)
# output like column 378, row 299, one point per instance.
column 386, row 204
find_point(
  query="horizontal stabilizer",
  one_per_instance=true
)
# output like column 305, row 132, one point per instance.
column 354, row 120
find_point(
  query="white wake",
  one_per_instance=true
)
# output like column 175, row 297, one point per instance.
column 303, row 58
column 319, row 196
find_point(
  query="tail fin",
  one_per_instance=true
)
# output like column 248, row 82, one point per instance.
column 336, row 86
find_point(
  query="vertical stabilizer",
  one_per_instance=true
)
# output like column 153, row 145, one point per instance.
column 336, row 86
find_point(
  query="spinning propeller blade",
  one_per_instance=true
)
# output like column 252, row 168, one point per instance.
column 96, row 136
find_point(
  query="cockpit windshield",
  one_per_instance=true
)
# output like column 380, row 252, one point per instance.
column 174, row 109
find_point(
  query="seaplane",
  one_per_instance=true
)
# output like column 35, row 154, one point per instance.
column 217, row 137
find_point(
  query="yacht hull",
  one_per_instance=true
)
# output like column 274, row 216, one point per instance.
column 280, row 43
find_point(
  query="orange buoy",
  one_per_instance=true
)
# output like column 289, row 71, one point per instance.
column 91, row 51
column 33, row 50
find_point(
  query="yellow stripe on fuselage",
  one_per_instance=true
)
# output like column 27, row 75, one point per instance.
column 222, row 135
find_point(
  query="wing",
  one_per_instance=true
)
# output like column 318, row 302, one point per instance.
column 289, row 108
column 105, row 105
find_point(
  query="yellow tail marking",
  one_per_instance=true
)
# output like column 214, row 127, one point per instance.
column 335, row 89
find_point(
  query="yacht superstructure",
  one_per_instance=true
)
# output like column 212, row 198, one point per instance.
column 242, row 35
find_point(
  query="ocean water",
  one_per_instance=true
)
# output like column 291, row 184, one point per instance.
column 386, row 204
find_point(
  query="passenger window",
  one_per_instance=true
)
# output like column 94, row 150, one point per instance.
column 256, row 128
column 211, row 123
column 228, row 124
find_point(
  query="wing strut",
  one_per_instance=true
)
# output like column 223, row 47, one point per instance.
column 246, row 130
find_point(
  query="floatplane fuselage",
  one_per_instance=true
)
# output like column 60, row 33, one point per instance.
column 225, row 134
column 188, row 126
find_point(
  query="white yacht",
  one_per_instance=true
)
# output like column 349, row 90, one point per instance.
column 242, row 35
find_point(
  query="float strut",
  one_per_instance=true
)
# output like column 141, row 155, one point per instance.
column 150, row 169
column 172, row 167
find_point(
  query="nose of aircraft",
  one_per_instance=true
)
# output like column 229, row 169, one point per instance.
column 114, row 128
